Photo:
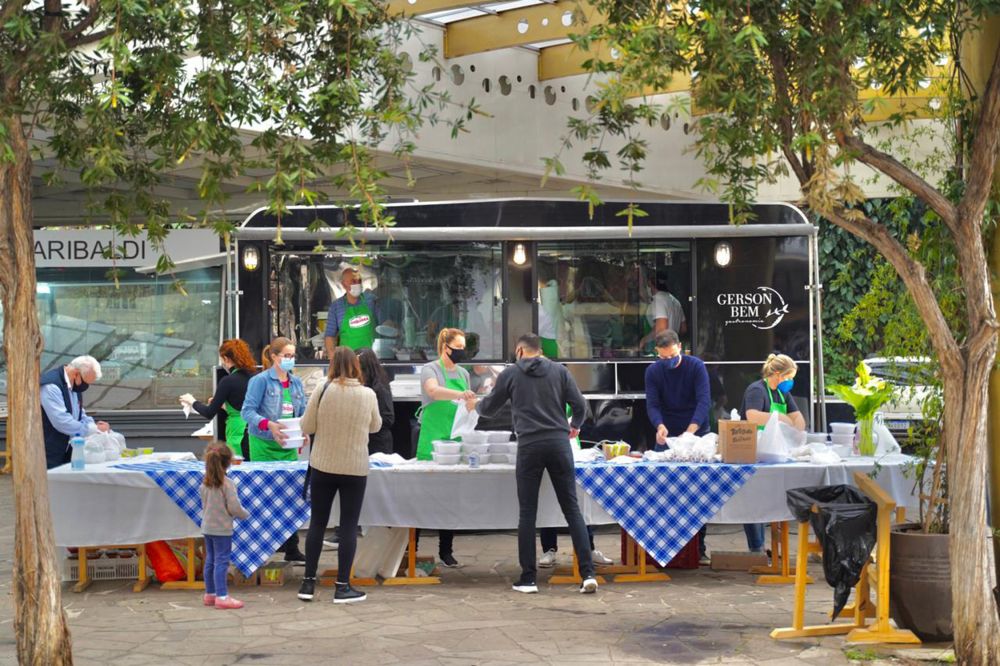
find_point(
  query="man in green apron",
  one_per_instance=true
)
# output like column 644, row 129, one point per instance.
column 353, row 317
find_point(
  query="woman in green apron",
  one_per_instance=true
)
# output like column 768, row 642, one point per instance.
column 272, row 395
column 235, row 357
column 768, row 395
column 441, row 382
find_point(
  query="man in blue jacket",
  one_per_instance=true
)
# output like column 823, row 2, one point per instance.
column 63, row 414
column 677, row 398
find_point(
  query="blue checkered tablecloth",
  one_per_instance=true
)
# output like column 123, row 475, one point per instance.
column 662, row 505
column 270, row 492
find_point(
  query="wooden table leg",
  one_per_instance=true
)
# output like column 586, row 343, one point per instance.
column 191, row 582
column 144, row 579
column 780, row 550
column 574, row 577
column 411, row 568
column 83, row 580
column 640, row 575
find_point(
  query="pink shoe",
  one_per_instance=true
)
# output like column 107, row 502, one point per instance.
column 208, row 599
column 228, row 603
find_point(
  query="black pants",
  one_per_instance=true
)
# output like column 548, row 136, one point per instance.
column 556, row 457
column 548, row 536
column 446, row 539
column 245, row 446
column 324, row 488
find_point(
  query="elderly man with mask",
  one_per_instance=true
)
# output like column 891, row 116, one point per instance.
column 62, row 407
column 353, row 317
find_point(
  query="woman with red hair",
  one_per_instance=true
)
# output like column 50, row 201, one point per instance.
column 235, row 357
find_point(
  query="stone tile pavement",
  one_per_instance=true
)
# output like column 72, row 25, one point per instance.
column 700, row 617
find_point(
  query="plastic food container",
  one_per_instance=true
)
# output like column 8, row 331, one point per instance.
column 292, row 433
column 481, row 449
column 446, row 458
column 145, row 450
column 842, row 428
column 499, row 436
column 817, row 437
column 291, row 424
column 503, row 458
column 476, row 437
column 842, row 440
column 842, row 450
column 294, row 443
column 447, row 448
column 503, row 447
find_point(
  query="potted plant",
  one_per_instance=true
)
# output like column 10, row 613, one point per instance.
column 866, row 395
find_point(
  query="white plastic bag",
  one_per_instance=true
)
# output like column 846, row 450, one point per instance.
column 104, row 445
column 772, row 447
column 381, row 552
column 886, row 443
column 465, row 421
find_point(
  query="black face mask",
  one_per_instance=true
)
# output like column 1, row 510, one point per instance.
column 458, row 355
column 81, row 387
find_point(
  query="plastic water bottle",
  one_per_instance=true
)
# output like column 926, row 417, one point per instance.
column 77, row 461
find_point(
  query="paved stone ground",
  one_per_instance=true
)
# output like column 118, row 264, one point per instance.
column 699, row 617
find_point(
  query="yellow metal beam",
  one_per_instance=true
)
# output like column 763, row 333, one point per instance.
column 517, row 27
column 418, row 7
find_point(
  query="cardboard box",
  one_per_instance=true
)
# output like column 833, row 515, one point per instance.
column 738, row 441
column 237, row 579
column 273, row 573
column 725, row 560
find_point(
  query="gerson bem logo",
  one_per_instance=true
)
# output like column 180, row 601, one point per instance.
column 762, row 308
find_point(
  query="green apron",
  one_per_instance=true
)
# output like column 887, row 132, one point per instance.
column 265, row 450
column 780, row 407
column 436, row 418
column 357, row 328
column 235, row 428
column 576, row 440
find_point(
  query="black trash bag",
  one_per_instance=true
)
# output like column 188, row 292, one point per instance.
column 846, row 528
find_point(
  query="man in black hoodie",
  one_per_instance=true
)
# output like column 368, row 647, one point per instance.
column 539, row 391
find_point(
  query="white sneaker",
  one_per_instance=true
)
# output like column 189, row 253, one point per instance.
column 548, row 559
column 599, row 558
column 331, row 545
column 525, row 587
column 588, row 586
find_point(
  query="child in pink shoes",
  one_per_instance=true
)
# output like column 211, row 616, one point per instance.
column 220, row 503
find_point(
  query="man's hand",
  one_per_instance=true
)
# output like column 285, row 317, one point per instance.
column 187, row 399
column 470, row 404
column 574, row 433
column 103, row 426
column 661, row 434
column 469, row 395
column 277, row 431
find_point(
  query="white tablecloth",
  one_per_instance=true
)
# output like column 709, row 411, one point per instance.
column 102, row 505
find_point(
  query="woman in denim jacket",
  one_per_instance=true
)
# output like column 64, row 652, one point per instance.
column 272, row 395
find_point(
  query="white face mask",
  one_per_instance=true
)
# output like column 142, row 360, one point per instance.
column 355, row 290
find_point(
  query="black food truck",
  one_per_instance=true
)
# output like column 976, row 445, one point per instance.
column 591, row 287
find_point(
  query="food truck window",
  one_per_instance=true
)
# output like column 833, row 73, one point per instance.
column 414, row 291
column 602, row 299
column 153, row 341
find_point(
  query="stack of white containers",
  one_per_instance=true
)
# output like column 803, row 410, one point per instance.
column 446, row 452
column 476, row 442
column 293, row 433
column 502, row 449
column 842, row 439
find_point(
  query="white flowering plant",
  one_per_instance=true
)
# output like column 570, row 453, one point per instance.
column 866, row 395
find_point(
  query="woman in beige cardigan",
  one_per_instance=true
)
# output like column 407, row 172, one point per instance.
column 342, row 414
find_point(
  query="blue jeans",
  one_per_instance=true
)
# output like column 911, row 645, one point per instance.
column 755, row 536
column 217, row 550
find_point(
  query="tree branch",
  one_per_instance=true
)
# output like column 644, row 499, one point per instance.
column 72, row 37
column 905, row 176
column 89, row 39
column 914, row 277
column 785, row 119
column 10, row 8
column 984, row 151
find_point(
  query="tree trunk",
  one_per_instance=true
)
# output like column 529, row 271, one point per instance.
column 974, row 613
column 39, row 622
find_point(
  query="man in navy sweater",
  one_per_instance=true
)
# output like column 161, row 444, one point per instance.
column 677, row 398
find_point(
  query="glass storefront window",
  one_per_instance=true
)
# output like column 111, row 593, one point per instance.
column 153, row 342
column 418, row 291
column 605, row 299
